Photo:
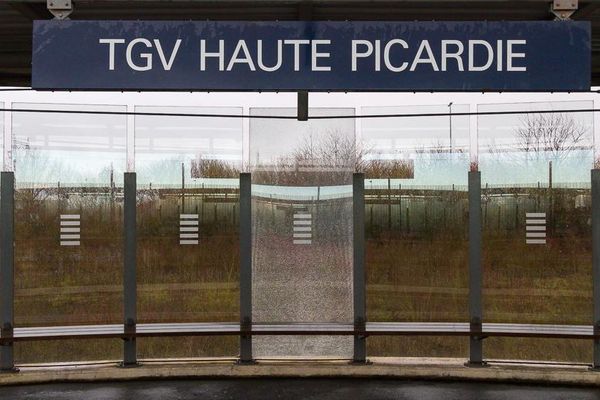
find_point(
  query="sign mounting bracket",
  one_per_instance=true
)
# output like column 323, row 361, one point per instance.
column 61, row 9
column 563, row 9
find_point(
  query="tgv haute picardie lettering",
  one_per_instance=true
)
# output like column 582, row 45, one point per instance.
column 396, row 55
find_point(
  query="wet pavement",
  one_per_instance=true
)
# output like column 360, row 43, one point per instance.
column 290, row 389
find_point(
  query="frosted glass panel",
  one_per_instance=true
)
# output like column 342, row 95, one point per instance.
column 302, row 228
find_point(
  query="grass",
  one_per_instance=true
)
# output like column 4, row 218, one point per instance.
column 417, row 270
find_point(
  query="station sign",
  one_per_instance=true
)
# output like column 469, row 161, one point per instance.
column 311, row 55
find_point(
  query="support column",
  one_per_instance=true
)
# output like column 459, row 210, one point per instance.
column 302, row 105
column 358, row 273
column 7, row 196
column 129, row 270
column 245, row 269
column 596, row 261
column 475, row 277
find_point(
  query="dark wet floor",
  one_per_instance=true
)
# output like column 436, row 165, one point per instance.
column 290, row 389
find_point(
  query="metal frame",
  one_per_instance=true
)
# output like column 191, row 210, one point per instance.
column 129, row 270
column 358, row 270
column 596, row 262
column 246, row 268
column 475, row 277
column 7, row 290
column 585, row 332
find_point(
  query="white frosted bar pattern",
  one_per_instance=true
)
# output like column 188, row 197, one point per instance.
column 188, row 229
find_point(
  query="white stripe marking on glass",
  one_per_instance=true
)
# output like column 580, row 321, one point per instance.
column 536, row 234
column 70, row 236
column 536, row 221
column 188, row 242
column 188, row 236
column 302, row 216
column 535, row 241
column 536, row 228
column 188, row 222
column 69, row 243
column 302, row 235
column 188, row 229
column 69, row 216
column 64, row 229
column 303, row 222
column 70, row 223
column 188, row 216
column 302, row 229
column 535, row 215
column 302, row 241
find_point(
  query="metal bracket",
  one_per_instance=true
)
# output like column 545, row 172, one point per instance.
column 563, row 9
column 302, row 105
column 61, row 9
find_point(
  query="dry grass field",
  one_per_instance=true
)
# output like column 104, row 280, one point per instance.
column 417, row 270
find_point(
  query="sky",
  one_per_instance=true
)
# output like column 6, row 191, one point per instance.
column 87, row 146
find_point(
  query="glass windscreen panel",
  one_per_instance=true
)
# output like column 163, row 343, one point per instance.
column 536, row 210
column 302, row 228
column 188, row 215
column 416, row 222
column 68, row 223
column 2, row 153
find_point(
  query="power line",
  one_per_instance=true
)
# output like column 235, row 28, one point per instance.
column 294, row 117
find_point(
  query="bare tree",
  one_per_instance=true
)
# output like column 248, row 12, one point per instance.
column 327, row 158
column 555, row 134
column 210, row 168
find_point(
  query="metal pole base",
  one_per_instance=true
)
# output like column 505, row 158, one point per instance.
column 10, row 370
column 129, row 352
column 129, row 365
column 476, row 364
column 239, row 361
column 361, row 362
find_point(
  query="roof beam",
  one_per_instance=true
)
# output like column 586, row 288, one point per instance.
column 30, row 10
column 586, row 11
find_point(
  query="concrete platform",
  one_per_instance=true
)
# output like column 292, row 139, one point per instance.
column 295, row 389
column 396, row 368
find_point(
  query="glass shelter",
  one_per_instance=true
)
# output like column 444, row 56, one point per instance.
column 431, row 225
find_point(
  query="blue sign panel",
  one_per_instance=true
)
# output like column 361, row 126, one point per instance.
column 316, row 56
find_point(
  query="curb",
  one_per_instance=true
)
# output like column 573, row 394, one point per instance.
column 389, row 368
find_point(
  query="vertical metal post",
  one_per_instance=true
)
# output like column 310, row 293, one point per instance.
column 245, row 268
column 129, row 269
column 475, row 277
column 7, row 192
column 302, row 105
column 358, row 273
column 596, row 261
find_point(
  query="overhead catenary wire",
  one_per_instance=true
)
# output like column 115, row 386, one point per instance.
column 294, row 117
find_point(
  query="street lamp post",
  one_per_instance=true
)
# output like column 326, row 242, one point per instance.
column 450, row 124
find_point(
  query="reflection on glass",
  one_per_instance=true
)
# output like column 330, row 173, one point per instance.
column 416, row 222
column 188, row 205
column 68, row 171
column 536, row 208
column 302, row 228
